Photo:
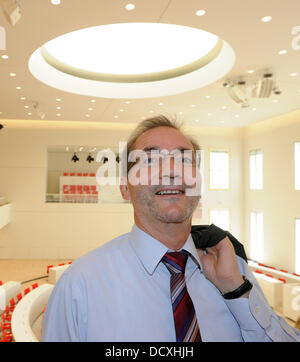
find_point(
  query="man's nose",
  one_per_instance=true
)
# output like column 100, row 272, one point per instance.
column 170, row 168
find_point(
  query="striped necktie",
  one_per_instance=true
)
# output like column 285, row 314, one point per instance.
column 186, row 326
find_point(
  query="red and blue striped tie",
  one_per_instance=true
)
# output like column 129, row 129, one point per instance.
column 186, row 325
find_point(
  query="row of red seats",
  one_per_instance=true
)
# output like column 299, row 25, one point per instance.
column 282, row 270
column 79, row 189
column 269, row 275
column 84, row 174
column 5, row 324
column 51, row 266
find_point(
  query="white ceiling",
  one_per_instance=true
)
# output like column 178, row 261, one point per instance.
column 256, row 45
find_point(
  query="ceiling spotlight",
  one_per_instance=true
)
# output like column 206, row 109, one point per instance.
column 266, row 19
column 200, row 12
column 130, row 7
column 55, row 2
column 90, row 158
column 11, row 10
column 75, row 158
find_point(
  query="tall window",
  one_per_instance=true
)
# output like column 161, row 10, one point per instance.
column 220, row 217
column 256, row 170
column 256, row 236
column 219, row 169
column 297, row 251
column 297, row 165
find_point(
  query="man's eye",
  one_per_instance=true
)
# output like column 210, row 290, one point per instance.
column 149, row 161
column 187, row 160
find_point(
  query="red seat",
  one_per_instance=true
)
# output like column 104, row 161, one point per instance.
column 79, row 174
column 19, row 296
column 66, row 173
column 12, row 304
column 85, row 174
column 35, row 285
column 1, row 282
column 72, row 174
column 92, row 175
column 48, row 267
column 26, row 291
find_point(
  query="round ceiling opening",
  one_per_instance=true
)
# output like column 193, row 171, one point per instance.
column 132, row 60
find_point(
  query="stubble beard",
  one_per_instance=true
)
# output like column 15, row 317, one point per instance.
column 147, row 199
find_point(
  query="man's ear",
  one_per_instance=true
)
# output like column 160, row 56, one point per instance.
column 125, row 191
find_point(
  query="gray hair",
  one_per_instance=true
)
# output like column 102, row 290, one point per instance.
column 148, row 124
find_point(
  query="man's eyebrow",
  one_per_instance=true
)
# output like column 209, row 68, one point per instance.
column 156, row 148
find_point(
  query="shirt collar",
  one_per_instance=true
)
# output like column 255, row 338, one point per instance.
column 150, row 251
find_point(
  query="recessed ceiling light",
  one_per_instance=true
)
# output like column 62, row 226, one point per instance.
column 275, row 100
column 58, row 99
column 130, row 7
column 209, row 114
column 283, row 51
column 58, row 114
column 266, row 19
column 160, row 104
column 26, row 107
column 181, row 113
column 193, row 105
column 81, row 69
column 87, row 116
column 93, row 100
column 127, row 102
column 207, row 97
column 58, row 107
column 253, row 109
column 23, row 98
column 236, row 115
column 250, row 71
column 200, row 12
column 115, row 116
column 121, row 110
column 224, row 107
column 55, row 2
column 29, row 114
column 12, row 74
column 4, row 56
column 294, row 74
column 18, row 87
column 90, row 109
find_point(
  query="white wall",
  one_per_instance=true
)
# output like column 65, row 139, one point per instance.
column 279, row 201
column 41, row 230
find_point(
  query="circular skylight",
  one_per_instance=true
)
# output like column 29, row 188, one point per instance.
column 132, row 60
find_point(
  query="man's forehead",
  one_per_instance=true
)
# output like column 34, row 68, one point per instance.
column 163, row 138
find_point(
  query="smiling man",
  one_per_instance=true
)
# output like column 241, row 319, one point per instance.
column 152, row 284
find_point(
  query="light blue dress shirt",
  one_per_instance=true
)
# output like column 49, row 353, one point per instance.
column 121, row 292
